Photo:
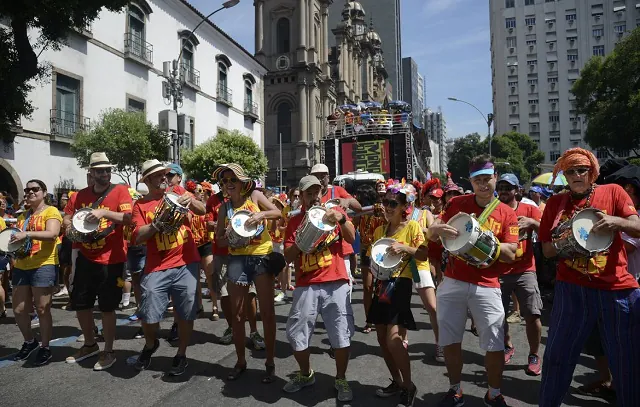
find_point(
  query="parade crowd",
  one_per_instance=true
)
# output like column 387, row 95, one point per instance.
column 474, row 255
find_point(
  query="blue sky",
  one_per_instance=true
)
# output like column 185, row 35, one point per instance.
column 449, row 39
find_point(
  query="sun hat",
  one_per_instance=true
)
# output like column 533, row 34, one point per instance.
column 99, row 160
column 151, row 167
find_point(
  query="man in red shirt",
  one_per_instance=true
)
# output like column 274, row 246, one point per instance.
column 477, row 289
column 591, row 291
column 100, row 262
column 172, row 266
column 322, row 287
column 520, row 276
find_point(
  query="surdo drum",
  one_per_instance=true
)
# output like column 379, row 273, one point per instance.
column 238, row 233
column 573, row 238
column 83, row 230
column 384, row 263
column 19, row 249
column 473, row 244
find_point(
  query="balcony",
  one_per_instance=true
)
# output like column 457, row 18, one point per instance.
column 137, row 49
column 251, row 109
column 85, row 31
column 67, row 124
column 225, row 95
column 190, row 76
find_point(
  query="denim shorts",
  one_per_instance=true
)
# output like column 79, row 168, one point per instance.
column 42, row 277
column 243, row 270
column 136, row 258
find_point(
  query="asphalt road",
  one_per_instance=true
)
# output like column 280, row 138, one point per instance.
column 61, row 384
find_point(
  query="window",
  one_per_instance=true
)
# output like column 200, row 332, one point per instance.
column 549, row 1
column 571, row 17
column 283, row 35
column 136, row 31
column 513, row 103
column 222, row 75
column 530, row 21
column 554, row 155
column 602, row 154
column 135, row 105
column 509, row 3
column 572, row 57
column 598, row 50
column 532, row 82
column 620, row 28
column 553, row 100
column 248, row 92
column 532, row 62
column 531, row 42
column 554, row 118
column 598, row 32
column 510, row 22
column 284, row 122
column 187, row 55
column 529, row 2
column 513, row 83
column 66, row 118
column 511, row 42
column 552, row 80
column 533, row 101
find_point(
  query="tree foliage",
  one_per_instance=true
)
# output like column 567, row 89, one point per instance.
column 608, row 94
column 442, row 177
column 52, row 21
column 127, row 138
column 226, row 147
column 464, row 149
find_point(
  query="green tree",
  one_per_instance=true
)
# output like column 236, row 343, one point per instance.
column 634, row 161
column 442, row 177
column 608, row 94
column 127, row 138
column 52, row 21
column 522, row 154
column 226, row 147
column 464, row 149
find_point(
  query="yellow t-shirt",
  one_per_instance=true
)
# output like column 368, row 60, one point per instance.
column 259, row 246
column 42, row 252
column 411, row 235
column 3, row 224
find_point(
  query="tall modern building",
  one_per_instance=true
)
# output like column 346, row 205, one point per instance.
column 413, row 89
column 385, row 15
column 436, row 129
column 538, row 48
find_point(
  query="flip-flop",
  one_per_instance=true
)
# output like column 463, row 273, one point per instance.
column 236, row 372
column 367, row 329
column 270, row 375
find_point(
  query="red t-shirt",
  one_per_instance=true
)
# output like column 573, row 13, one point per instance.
column 503, row 222
column 608, row 270
column 335, row 192
column 112, row 249
column 68, row 209
column 435, row 249
column 524, row 254
column 164, row 251
column 316, row 268
column 213, row 204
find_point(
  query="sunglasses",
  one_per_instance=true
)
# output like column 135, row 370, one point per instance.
column 101, row 170
column 229, row 180
column 506, row 188
column 297, row 196
column 32, row 189
column 576, row 171
column 391, row 203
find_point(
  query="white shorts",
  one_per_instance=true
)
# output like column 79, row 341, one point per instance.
column 426, row 280
column 454, row 297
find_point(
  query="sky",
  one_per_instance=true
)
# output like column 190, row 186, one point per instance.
column 449, row 39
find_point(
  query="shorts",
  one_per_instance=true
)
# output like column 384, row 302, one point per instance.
column 244, row 269
column 454, row 298
column 179, row 283
column 525, row 286
column 426, row 280
column 5, row 263
column 42, row 277
column 205, row 250
column 136, row 257
column 331, row 301
column 398, row 311
column 64, row 252
column 89, row 280
column 365, row 261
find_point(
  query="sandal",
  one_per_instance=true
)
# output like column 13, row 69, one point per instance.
column 270, row 375
column 367, row 329
column 236, row 372
column 597, row 389
column 214, row 315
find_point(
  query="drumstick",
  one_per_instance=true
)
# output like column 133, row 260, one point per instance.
column 365, row 211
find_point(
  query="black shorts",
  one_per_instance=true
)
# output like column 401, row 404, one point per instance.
column 398, row 311
column 205, row 250
column 365, row 261
column 64, row 252
column 90, row 280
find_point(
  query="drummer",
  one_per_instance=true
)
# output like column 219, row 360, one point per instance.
column 477, row 289
column 35, row 273
column 390, row 310
column 171, row 266
column 597, row 291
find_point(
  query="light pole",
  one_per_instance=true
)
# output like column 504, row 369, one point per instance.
column 172, row 87
column 488, row 119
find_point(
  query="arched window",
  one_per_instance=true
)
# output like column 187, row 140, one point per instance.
column 136, row 22
column 283, row 35
column 187, row 54
column 222, row 76
column 248, row 92
column 284, row 122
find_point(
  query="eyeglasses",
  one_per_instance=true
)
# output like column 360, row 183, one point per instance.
column 229, row 180
column 297, row 196
column 505, row 188
column 391, row 203
column 101, row 170
column 577, row 171
column 32, row 189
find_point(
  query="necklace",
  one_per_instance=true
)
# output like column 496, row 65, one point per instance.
column 589, row 195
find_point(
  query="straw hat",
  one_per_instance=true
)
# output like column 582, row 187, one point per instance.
column 151, row 167
column 235, row 168
column 99, row 160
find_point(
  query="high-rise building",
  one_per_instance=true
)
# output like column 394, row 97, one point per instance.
column 413, row 89
column 385, row 15
column 538, row 48
column 436, row 130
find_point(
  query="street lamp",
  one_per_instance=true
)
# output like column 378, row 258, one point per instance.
column 488, row 119
column 172, row 87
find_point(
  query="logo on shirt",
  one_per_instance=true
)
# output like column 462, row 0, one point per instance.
column 514, row 230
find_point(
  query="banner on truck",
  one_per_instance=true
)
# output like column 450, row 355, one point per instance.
column 372, row 156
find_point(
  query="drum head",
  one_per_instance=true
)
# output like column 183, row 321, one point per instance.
column 316, row 214
column 464, row 224
column 173, row 198
column 81, row 224
column 582, row 225
column 238, row 223
column 5, row 238
column 381, row 257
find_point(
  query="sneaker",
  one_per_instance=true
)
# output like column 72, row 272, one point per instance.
column 43, row 356
column 452, row 399
column 509, row 351
column 62, row 293
column 26, row 350
column 299, row 382
column 279, row 297
column 439, row 357
column 35, row 321
column 534, row 368
column 3, row 314
column 133, row 317
column 67, row 307
column 106, row 360
column 408, row 396
column 173, row 333
column 83, row 353
column 227, row 337
column 179, row 365
column 344, row 391
column 257, row 341
column 80, row 338
column 139, row 334
column 498, row 401
column 144, row 359
column 390, row 390
column 514, row 318
column 170, row 307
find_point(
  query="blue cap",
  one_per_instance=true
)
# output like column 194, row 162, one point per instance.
column 536, row 189
column 510, row 178
column 175, row 169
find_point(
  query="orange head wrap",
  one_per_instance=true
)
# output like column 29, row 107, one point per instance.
column 577, row 157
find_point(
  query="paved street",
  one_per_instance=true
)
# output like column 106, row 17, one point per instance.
column 61, row 384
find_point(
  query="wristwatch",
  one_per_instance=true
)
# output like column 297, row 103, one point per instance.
column 343, row 220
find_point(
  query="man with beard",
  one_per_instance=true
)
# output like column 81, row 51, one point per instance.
column 520, row 276
column 101, row 262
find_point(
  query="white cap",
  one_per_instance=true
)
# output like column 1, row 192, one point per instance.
column 319, row 169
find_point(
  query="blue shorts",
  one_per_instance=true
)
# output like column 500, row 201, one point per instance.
column 243, row 270
column 42, row 277
column 136, row 256
column 180, row 283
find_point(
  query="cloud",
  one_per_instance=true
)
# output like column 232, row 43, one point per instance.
column 432, row 7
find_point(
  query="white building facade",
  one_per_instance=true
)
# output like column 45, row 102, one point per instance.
column 436, row 129
column 118, row 63
column 538, row 49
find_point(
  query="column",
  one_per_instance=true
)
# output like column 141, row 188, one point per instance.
column 325, row 38
column 313, row 128
column 259, row 27
column 302, row 115
column 310, row 39
column 302, row 23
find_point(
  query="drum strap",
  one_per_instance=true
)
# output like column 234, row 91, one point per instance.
column 488, row 211
column 333, row 193
column 415, row 215
column 106, row 232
